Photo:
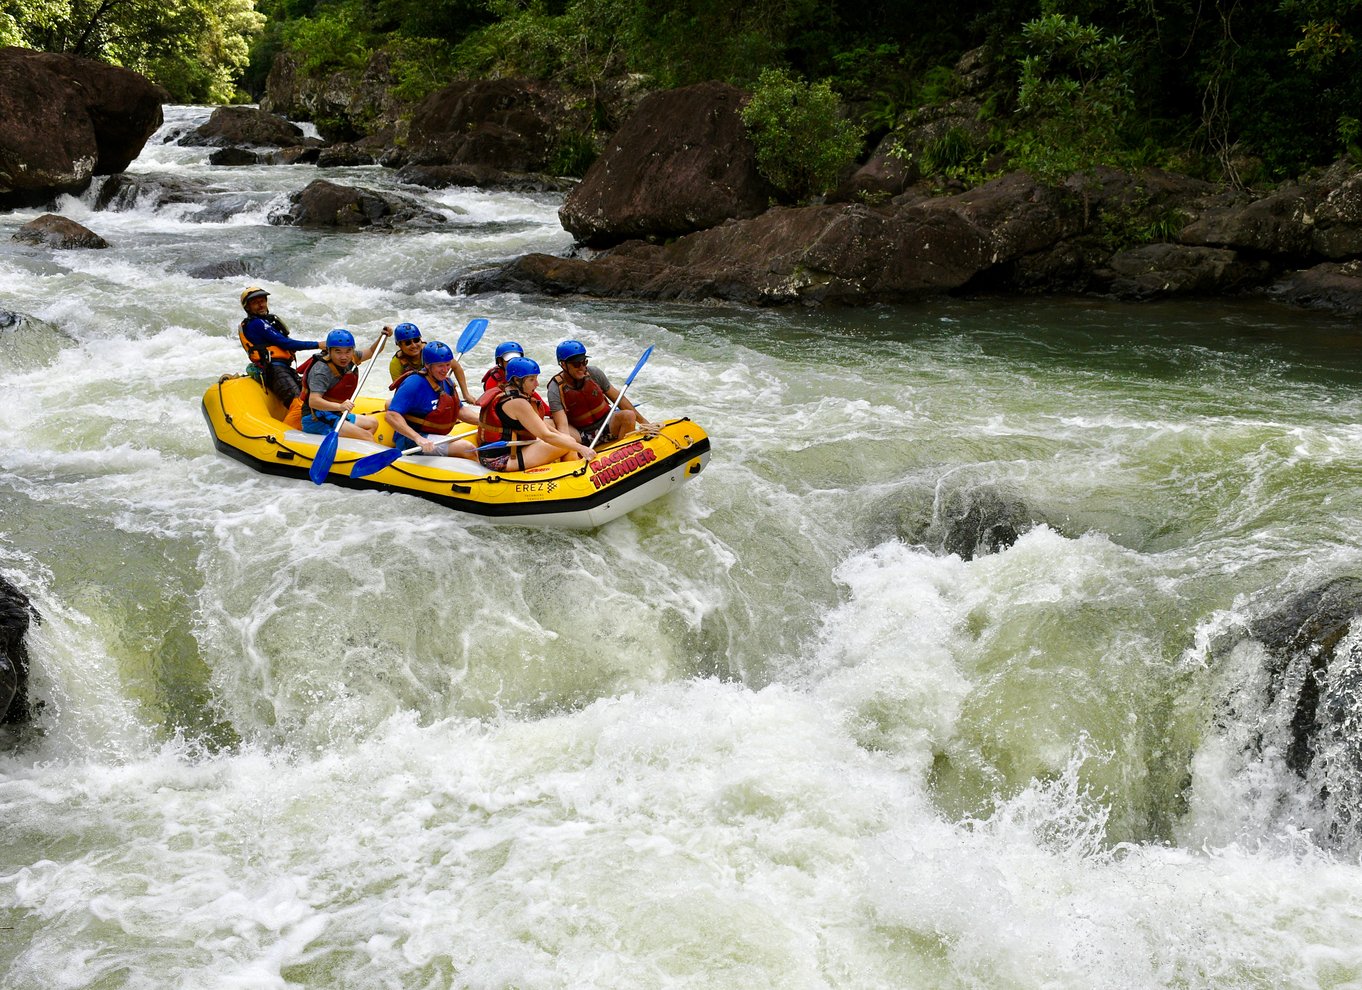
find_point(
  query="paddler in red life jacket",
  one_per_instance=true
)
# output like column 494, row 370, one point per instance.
column 425, row 402
column 408, row 357
column 515, row 413
column 329, row 383
column 496, row 375
column 270, row 349
column 580, row 397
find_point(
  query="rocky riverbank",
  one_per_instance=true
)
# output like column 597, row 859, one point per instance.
column 674, row 207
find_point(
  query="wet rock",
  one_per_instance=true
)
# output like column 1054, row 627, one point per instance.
column 1311, row 716
column 682, row 162
column 816, row 254
column 50, row 230
column 506, row 124
column 123, row 192
column 236, row 268
column 16, row 612
column 972, row 522
column 238, row 126
column 1332, row 286
column 482, row 177
column 329, row 204
column 342, row 155
column 296, row 155
column 233, row 156
column 1155, row 271
column 345, row 104
column 65, row 119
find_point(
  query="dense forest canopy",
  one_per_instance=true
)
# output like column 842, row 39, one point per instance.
column 1242, row 90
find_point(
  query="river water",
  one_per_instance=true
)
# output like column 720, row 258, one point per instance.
column 764, row 732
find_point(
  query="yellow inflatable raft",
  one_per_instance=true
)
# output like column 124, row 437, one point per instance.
column 247, row 424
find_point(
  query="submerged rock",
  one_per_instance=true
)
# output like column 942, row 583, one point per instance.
column 50, row 230
column 1301, row 715
column 16, row 611
column 972, row 522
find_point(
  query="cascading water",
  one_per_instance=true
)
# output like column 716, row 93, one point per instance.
column 790, row 726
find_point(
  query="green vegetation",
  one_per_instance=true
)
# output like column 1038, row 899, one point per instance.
column 801, row 143
column 197, row 49
column 1221, row 88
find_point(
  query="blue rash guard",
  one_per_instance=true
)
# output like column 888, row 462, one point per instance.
column 415, row 397
column 261, row 331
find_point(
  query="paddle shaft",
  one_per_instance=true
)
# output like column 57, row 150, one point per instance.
column 605, row 423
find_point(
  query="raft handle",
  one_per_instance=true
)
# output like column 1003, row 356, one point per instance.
column 284, row 455
column 461, row 489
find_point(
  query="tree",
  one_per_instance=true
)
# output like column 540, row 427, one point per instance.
column 802, row 141
column 195, row 48
column 1074, row 95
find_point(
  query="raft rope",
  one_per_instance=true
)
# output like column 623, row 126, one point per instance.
column 487, row 479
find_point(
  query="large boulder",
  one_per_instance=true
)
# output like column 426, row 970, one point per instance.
column 1330, row 285
column 1155, row 271
column 345, row 105
column 330, row 204
column 682, row 162
column 64, row 120
column 1317, row 218
column 246, row 126
column 827, row 253
column 506, row 124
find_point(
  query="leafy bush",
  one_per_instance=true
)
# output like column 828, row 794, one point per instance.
column 802, row 142
column 328, row 40
column 1075, row 93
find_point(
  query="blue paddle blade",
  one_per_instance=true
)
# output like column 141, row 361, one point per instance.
column 494, row 445
column 326, row 456
column 630, row 380
column 374, row 463
column 471, row 335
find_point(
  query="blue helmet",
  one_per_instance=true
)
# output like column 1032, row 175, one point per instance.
column 571, row 349
column 406, row 331
column 520, row 367
column 436, row 353
column 509, row 347
column 340, row 338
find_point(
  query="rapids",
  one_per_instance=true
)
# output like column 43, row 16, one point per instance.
column 763, row 732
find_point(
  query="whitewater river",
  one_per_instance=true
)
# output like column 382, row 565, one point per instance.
column 763, row 733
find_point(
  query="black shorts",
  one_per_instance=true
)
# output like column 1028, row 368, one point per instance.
column 284, row 383
column 590, row 431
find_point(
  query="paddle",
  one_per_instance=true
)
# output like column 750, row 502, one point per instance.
column 326, row 453
column 374, row 463
column 503, row 445
column 470, row 336
column 627, row 382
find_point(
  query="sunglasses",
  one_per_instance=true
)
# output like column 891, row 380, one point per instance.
column 406, row 343
column 578, row 362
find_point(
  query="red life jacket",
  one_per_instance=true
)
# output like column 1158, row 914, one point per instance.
column 494, row 378
column 494, row 424
column 584, row 404
column 442, row 418
column 339, row 392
